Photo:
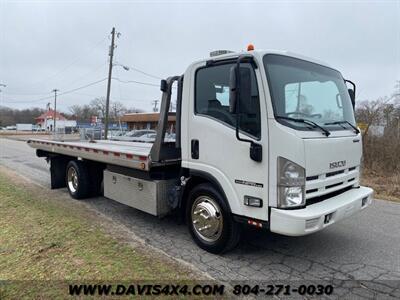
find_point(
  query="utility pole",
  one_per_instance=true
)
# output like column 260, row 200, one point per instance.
column 1, row 96
column 155, row 108
column 55, row 109
column 109, row 83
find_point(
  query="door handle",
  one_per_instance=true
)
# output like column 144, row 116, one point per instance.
column 195, row 149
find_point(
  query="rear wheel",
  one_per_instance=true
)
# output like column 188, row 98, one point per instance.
column 209, row 220
column 77, row 179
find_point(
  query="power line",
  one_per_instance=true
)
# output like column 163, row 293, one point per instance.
column 27, row 94
column 70, row 83
column 82, row 87
column 134, row 81
column 72, row 63
column 60, row 94
column 144, row 73
column 86, row 74
column 31, row 101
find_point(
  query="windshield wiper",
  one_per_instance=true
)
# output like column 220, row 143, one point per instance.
column 356, row 130
column 311, row 123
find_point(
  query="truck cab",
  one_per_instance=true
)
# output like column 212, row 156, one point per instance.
column 275, row 134
column 263, row 138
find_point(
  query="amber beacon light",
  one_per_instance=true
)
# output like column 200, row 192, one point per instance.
column 250, row 47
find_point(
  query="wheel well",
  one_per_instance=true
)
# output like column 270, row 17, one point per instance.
column 194, row 180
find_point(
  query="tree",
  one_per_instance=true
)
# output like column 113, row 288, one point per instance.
column 82, row 113
column 99, row 105
column 10, row 116
column 370, row 112
column 117, row 110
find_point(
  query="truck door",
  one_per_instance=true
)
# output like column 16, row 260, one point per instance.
column 213, row 146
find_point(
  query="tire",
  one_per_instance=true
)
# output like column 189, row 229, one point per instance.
column 210, row 221
column 78, row 180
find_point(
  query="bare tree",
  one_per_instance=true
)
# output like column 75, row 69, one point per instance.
column 82, row 113
column 117, row 109
column 99, row 105
column 370, row 112
column 10, row 116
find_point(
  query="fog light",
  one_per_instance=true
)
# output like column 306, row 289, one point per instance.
column 252, row 201
column 312, row 223
column 364, row 201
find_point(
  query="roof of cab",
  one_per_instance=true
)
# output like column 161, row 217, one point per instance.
column 260, row 53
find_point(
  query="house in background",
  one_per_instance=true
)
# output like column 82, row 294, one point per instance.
column 46, row 121
column 137, row 121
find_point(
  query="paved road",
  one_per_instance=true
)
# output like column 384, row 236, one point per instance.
column 364, row 247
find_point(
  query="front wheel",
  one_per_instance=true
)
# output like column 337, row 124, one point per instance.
column 210, row 221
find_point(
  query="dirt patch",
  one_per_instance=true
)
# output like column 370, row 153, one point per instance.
column 386, row 187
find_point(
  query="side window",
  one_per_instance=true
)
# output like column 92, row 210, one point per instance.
column 212, row 98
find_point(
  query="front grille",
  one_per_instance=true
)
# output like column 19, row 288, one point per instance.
column 334, row 173
column 327, row 196
column 322, row 184
column 333, row 185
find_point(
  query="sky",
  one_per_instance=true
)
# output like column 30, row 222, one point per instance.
column 46, row 45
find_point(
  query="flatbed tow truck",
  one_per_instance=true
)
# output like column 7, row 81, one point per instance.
column 263, row 138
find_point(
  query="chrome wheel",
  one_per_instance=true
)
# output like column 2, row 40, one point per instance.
column 207, row 219
column 72, row 179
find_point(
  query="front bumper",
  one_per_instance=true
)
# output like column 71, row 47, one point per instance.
column 320, row 215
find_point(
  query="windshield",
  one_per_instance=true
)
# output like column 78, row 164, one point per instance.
column 304, row 90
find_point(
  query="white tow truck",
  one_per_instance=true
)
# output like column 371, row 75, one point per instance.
column 263, row 138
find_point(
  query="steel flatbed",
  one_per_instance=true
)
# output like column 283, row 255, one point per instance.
column 128, row 154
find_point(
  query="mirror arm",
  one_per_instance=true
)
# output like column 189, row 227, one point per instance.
column 352, row 84
column 238, row 62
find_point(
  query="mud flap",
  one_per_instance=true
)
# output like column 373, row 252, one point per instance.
column 57, row 172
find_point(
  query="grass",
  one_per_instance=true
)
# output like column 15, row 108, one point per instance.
column 386, row 187
column 43, row 239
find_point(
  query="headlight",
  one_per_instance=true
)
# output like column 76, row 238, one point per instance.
column 291, row 184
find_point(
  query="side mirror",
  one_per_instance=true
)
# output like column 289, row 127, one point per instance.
column 352, row 92
column 256, row 152
column 163, row 85
column 352, row 97
column 240, row 103
column 239, row 89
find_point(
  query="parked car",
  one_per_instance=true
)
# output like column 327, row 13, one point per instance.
column 171, row 137
column 133, row 135
column 115, row 135
column 151, row 137
column 146, row 138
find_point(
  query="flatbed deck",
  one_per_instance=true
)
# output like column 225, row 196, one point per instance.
column 128, row 154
